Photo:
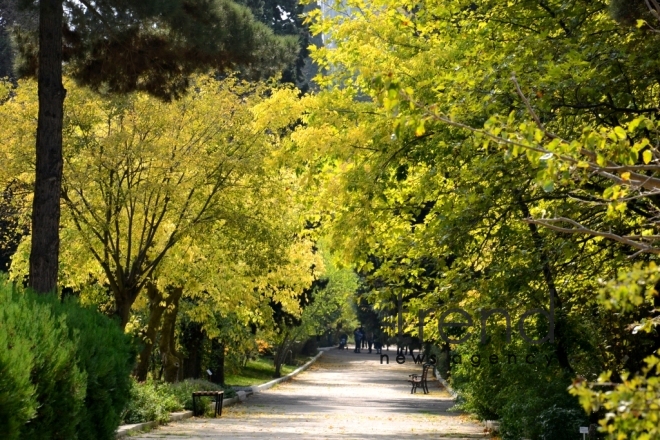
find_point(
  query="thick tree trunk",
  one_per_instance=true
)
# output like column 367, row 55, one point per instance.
column 44, row 252
column 193, row 337
column 218, row 362
column 123, row 302
column 171, row 359
column 156, row 309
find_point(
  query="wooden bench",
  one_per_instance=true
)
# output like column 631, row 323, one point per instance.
column 418, row 381
column 219, row 397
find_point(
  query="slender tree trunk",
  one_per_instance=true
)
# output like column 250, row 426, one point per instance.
column 44, row 252
column 171, row 359
column 560, row 348
column 280, row 355
column 156, row 309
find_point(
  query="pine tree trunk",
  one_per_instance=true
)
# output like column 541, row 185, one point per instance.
column 44, row 251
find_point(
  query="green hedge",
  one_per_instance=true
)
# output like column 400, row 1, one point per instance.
column 64, row 369
column 106, row 354
column 530, row 401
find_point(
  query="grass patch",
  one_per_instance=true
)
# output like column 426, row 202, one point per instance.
column 255, row 372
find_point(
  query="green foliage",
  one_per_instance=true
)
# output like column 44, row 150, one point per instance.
column 150, row 401
column 17, row 393
column 632, row 405
column 66, row 368
column 102, row 44
column 629, row 11
column 285, row 18
column 529, row 399
column 105, row 353
column 154, row 401
column 45, row 385
column 482, row 153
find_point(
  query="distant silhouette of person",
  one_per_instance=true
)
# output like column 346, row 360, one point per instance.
column 358, row 335
column 343, row 339
column 378, row 345
column 370, row 340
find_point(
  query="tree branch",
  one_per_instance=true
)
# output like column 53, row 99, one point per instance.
column 578, row 228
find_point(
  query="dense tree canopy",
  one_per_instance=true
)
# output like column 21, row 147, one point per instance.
column 466, row 141
column 120, row 47
column 501, row 158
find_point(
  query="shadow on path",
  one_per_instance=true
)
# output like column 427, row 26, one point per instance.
column 344, row 395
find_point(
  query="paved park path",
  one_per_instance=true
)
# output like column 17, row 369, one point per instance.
column 344, row 395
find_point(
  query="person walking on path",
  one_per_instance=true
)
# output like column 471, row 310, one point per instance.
column 357, row 335
column 343, row 340
column 370, row 339
column 378, row 345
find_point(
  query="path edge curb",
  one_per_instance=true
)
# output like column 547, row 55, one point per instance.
column 125, row 430
column 491, row 425
column 444, row 383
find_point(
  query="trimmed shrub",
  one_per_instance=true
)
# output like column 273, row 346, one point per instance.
column 50, row 401
column 64, row 369
column 105, row 353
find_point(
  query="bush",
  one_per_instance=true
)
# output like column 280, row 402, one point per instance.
column 529, row 401
column 17, row 405
column 150, row 401
column 310, row 348
column 42, row 383
column 154, row 400
column 105, row 353
column 64, row 369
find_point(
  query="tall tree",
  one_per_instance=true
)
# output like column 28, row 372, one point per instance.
column 435, row 72
column 285, row 18
column 121, row 46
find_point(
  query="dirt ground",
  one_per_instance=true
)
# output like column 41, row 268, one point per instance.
column 344, row 395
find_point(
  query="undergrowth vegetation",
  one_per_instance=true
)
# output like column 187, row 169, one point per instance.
column 154, row 401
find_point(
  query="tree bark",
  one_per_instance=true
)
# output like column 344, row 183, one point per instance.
column 194, row 337
column 280, row 355
column 171, row 359
column 123, row 303
column 218, row 362
column 44, row 252
column 156, row 310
